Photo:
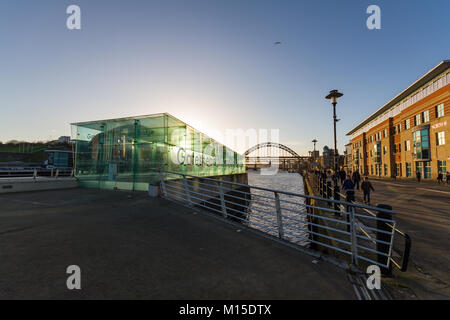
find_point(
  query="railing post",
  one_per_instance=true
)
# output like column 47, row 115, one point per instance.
column 353, row 236
column 336, row 197
column 34, row 174
column 279, row 216
column 328, row 184
column 381, row 247
column 163, row 185
column 406, row 253
column 222, row 201
column 186, row 190
column 57, row 173
column 51, row 173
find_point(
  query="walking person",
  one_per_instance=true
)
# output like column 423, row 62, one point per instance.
column 356, row 179
column 329, row 181
column 366, row 187
column 440, row 178
column 349, row 189
column 418, row 175
column 447, row 177
column 342, row 175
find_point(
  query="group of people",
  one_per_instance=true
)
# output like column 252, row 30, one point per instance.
column 349, row 182
column 440, row 177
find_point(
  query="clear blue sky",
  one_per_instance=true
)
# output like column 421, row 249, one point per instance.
column 212, row 63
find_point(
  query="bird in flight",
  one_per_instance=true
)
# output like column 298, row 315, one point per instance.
column 278, row 42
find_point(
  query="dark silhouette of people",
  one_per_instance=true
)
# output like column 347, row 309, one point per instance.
column 356, row 179
column 366, row 187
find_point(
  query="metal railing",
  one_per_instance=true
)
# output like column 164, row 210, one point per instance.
column 296, row 218
column 401, row 248
column 35, row 173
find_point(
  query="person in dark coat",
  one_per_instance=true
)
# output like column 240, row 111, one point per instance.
column 349, row 188
column 418, row 175
column 440, row 178
column 366, row 187
column 342, row 175
column 356, row 179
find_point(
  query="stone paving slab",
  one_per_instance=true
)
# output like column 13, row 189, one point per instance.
column 135, row 247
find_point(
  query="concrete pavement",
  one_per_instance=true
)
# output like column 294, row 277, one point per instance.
column 422, row 211
column 135, row 247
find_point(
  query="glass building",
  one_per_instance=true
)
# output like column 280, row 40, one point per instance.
column 127, row 153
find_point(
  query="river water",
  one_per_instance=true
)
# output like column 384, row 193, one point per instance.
column 263, row 212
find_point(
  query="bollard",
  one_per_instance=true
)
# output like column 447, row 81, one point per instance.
column 336, row 197
column 34, row 174
column 381, row 247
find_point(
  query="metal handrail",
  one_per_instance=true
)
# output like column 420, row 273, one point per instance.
column 403, row 265
column 287, row 220
column 284, row 192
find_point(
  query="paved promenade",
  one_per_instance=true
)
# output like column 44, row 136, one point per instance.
column 131, row 246
column 422, row 211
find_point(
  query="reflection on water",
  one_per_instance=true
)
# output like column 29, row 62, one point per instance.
column 263, row 205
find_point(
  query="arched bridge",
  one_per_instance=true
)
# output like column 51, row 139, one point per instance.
column 287, row 158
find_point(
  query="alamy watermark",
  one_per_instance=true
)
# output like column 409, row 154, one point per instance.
column 374, row 279
column 373, row 22
column 74, row 280
column 185, row 150
column 73, row 22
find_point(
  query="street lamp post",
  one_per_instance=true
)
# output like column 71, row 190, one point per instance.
column 314, row 154
column 333, row 96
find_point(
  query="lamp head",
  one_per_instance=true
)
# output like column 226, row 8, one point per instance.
column 333, row 96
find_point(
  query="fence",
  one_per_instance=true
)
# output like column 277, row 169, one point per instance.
column 401, row 247
column 300, row 219
column 35, row 173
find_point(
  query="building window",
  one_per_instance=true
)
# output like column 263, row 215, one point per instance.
column 399, row 128
column 384, row 150
column 440, row 138
column 399, row 149
column 426, row 116
column 371, row 153
column 371, row 169
column 394, row 129
column 377, row 152
column 407, row 145
column 440, row 110
column 407, row 124
column 398, row 171
column 408, row 169
column 384, row 133
column 395, row 148
column 385, row 170
column 419, row 168
column 442, row 166
column 417, row 120
column 421, row 144
column 427, row 169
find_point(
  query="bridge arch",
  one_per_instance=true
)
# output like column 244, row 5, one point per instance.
column 272, row 145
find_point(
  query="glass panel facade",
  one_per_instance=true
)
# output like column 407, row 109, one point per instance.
column 421, row 145
column 124, row 153
column 427, row 169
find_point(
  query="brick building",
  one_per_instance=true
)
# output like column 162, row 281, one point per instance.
column 409, row 133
